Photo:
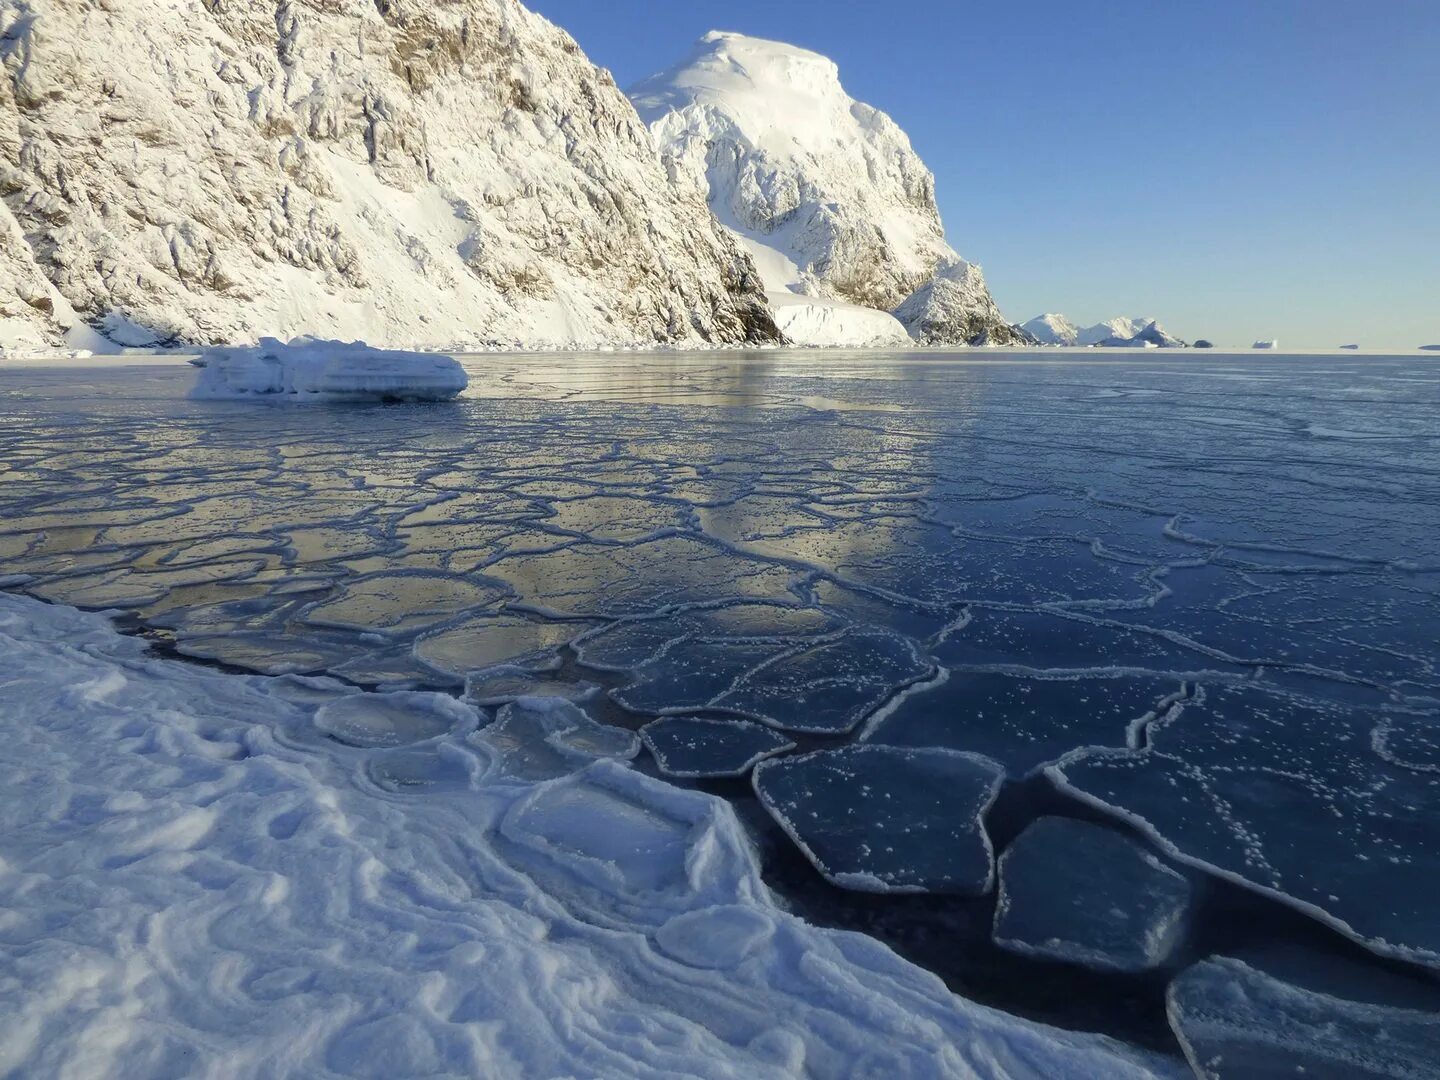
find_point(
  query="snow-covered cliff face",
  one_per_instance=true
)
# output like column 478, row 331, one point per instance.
column 399, row 170
column 824, row 191
column 955, row 307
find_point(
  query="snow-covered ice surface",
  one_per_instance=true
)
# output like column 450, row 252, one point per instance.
column 1083, row 894
column 194, row 883
column 1198, row 594
column 308, row 369
column 822, row 322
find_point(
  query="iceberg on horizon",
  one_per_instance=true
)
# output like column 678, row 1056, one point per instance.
column 311, row 369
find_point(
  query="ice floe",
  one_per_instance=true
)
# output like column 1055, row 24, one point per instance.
column 1024, row 721
column 392, row 719
column 1285, row 795
column 541, row 738
column 888, row 819
column 1236, row 1022
column 311, row 369
column 694, row 746
column 1084, row 894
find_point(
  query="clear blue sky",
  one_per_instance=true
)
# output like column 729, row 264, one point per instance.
column 1239, row 168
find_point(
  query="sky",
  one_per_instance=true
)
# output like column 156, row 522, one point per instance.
column 1241, row 169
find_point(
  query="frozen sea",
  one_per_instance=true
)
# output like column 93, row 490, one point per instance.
column 892, row 608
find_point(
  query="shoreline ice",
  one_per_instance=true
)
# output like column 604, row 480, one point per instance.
column 193, row 876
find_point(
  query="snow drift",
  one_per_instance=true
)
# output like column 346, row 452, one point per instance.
column 311, row 370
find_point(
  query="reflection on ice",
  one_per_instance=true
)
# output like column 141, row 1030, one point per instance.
column 502, row 685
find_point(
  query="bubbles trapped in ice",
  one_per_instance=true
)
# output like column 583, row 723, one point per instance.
column 1287, row 795
column 1085, row 894
column 1023, row 721
column 693, row 746
column 1236, row 1022
column 1409, row 739
column 887, row 819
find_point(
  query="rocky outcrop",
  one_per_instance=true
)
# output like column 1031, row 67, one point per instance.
column 955, row 308
column 397, row 170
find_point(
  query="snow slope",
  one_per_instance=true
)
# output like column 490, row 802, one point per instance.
column 825, row 191
column 399, row 172
column 816, row 321
column 196, row 879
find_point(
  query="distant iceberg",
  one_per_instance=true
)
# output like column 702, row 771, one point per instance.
column 1121, row 332
column 310, row 369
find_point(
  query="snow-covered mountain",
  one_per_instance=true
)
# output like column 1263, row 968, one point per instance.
column 955, row 306
column 824, row 191
column 1151, row 335
column 1120, row 328
column 1053, row 329
column 396, row 170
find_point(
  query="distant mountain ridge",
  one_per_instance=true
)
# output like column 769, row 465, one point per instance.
column 1119, row 332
